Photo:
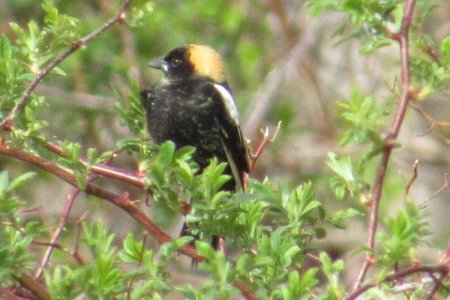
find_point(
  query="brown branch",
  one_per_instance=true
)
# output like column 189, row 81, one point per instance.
column 434, row 55
column 62, row 224
column 403, row 38
column 244, row 291
column 118, row 200
column 262, row 145
column 25, row 98
column 440, row 269
column 59, row 229
column 102, row 169
column 8, row 295
column 33, row 286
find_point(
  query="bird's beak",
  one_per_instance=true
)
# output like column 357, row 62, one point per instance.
column 160, row 64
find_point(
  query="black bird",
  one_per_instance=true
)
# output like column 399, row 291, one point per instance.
column 194, row 106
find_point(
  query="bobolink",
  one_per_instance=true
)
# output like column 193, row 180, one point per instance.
column 194, row 106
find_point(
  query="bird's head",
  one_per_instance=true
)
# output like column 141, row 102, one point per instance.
column 191, row 61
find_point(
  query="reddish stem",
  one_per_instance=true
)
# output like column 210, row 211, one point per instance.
column 441, row 269
column 403, row 38
column 118, row 200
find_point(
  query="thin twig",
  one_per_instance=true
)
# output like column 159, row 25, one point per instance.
column 411, row 181
column 403, row 38
column 440, row 269
column 433, row 123
column 118, row 200
column 115, row 199
column 440, row 190
column 75, row 252
column 262, row 145
column 59, row 229
column 62, row 223
column 25, row 98
column 103, row 169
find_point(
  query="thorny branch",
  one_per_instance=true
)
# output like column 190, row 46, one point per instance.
column 403, row 39
column 25, row 98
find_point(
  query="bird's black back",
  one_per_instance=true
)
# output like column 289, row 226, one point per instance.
column 192, row 113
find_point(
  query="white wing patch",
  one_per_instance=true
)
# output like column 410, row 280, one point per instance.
column 228, row 101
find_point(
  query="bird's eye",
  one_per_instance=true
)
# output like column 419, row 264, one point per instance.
column 175, row 62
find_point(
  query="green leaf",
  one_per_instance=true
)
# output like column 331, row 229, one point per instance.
column 4, row 181
column 5, row 47
column 339, row 218
column 445, row 52
column 59, row 71
column 310, row 206
column 342, row 166
column 132, row 251
column 18, row 181
column 166, row 153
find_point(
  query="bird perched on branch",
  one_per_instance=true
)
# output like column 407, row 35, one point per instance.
column 194, row 106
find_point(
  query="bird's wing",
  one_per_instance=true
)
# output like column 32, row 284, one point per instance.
column 232, row 139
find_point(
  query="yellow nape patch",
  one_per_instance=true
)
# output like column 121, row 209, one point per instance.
column 207, row 62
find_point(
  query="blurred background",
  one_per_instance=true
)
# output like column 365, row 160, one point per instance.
column 283, row 65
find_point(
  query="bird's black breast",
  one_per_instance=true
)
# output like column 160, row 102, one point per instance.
column 192, row 113
column 181, row 112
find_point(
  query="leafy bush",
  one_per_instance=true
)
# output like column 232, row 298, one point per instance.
column 64, row 67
